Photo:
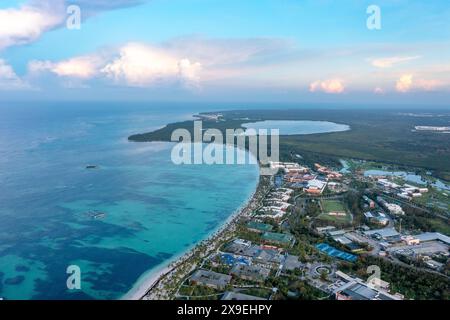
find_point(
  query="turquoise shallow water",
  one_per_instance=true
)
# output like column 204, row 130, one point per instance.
column 154, row 210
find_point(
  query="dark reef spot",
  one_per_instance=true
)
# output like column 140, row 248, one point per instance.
column 15, row 281
column 22, row 268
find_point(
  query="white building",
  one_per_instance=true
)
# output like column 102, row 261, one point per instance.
column 394, row 209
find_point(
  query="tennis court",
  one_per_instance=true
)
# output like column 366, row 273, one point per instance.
column 335, row 253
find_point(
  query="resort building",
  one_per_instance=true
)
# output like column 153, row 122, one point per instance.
column 266, row 256
column 387, row 234
column 252, row 273
column 433, row 236
column 315, row 186
column 376, row 217
column 288, row 167
column 356, row 289
column 210, row 279
column 391, row 207
column 291, row 263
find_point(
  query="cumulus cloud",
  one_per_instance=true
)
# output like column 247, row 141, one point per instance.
column 190, row 62
column 333, row 86
column 26, row 23
column 378, row 90
column 9, row 80
column 134, row 65
column 83, row 67
column 391, row 61
column 141, row 65
column 404, row 84
column 408, row 82
column 29, row 21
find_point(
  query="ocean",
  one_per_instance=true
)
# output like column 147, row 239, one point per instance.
column 134, row 212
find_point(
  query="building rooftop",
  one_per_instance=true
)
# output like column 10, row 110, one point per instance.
column 211, row 278
column 430, row 236
column 254, row 272
column 384, row 233
column 356, row 289
column 267, row 256
column 291, row 262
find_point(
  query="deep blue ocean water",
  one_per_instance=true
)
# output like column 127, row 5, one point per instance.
column 154, row 210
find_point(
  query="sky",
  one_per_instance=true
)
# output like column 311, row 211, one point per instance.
column 234, row 50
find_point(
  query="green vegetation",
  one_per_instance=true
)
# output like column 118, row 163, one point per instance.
column 339, row 220
column 244, row 233
column 420, row 221
column 333, row 206
column 376, row 135
column 300, row 290
column 257, row 292
column 378, row 140
column 413, row 283
column 435, row 198
column 199, row 292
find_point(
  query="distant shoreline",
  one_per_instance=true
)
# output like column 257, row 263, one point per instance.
column 384, row 136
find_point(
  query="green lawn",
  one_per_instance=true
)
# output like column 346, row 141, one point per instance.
column 332, row 206
column 338, row 219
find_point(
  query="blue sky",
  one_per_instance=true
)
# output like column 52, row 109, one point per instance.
column 214, row 50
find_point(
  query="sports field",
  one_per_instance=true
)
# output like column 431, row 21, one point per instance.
column 332, row 206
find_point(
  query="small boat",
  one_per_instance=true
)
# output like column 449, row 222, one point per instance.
column 96, row 214
column 91, row 166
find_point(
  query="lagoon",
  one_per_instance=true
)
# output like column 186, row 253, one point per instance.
column 408, row 176
column 300, row 127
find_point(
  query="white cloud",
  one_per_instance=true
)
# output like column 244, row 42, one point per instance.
column 188, row 62
column 404, row 83
column 83, row 67
column 378, row 90
column 428, row 85
column 408, row 82
column 333, row 86
column 222, row 52
column 141, row 65
column 27, row 23
column 391, row 61
column 9, row 80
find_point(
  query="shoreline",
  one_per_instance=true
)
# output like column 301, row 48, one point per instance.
column 151, row 287
column 151, row 279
